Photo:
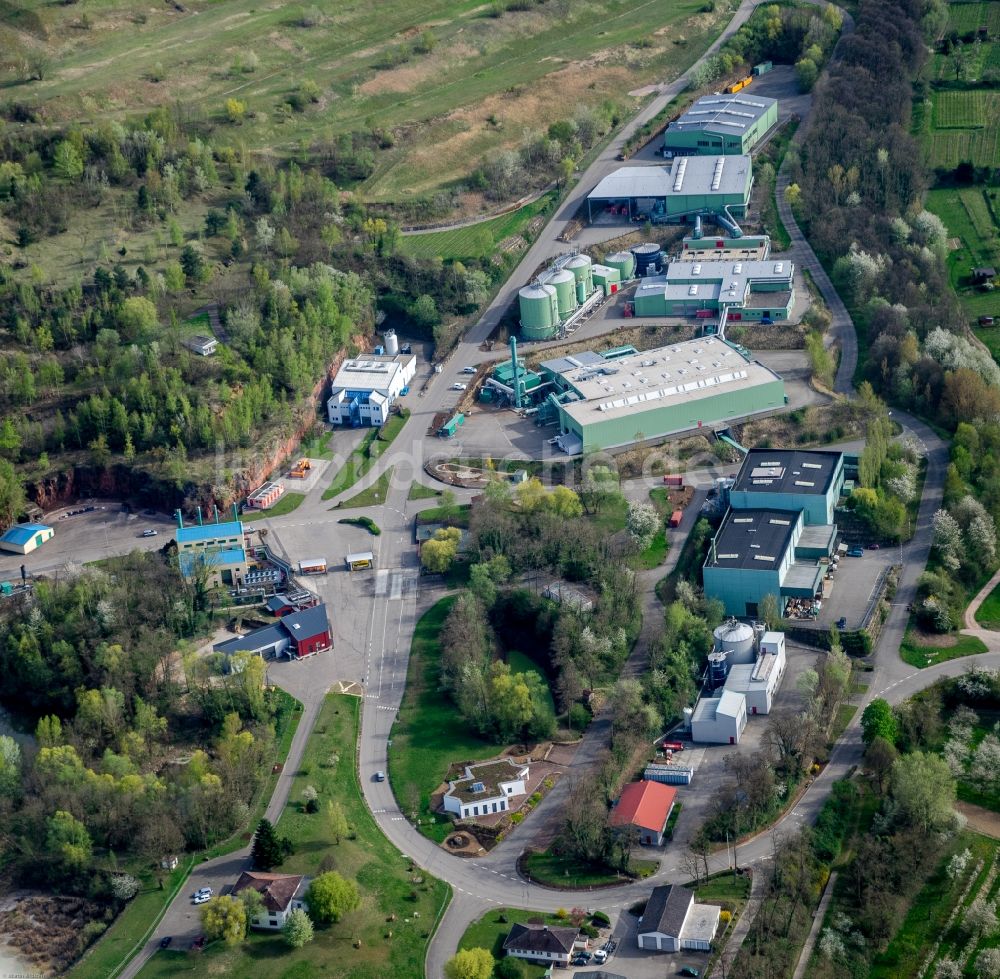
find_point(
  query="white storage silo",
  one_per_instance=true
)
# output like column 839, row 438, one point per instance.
column 391, row 343
column 735, row 639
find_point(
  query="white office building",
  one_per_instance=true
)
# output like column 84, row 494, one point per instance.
column 758, row 682
column 366, row 388
column 719, row 720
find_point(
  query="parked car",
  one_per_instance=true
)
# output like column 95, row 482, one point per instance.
column 842, row 622
column 458, row 386
column 150, row 533
column 468, row 370
column 600, row 956
column 689, row 970
column 202, row 898
column 165, row 941
column 873, row 547
column 380, row 776
column 856, row 552
column 672, row 746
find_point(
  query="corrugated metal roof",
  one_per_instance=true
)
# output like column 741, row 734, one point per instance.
column 22, row 533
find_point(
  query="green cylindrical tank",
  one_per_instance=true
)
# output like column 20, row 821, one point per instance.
column 539, row 311
column 624, row 262
column 581, row 291
column 580, row 266
column 564, row 283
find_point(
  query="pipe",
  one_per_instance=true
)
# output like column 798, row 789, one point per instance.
column 236, row 513
column 216, row 509
column 180, row 519
column 697, row 226
column 513, row 364
column 199, row 516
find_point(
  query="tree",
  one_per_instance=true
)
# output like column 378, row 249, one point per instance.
column 298, row 928
column 330, row 897
column 769, row 611
column 225, row 918
column 336, row 821
column 193, row 263
column 807, row 72
column 879, row 759
column 67, row 840
column 268, row 848
column 264, row 233
column 470, row 963
column 878, row 721
column 509, row 968
column 793, row 194
column 988, row 963
column 12, row 496
column 924, row 791
column 980, row 917
column 10, row 766
column 136, row 318
column 643, row 523
column 253, row 900
column 599, row 488
column 437, row 553
column 67, row 162
column 235, row 110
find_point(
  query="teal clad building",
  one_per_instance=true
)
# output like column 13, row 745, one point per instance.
column 777, row 531
column 721, row 124
column 608, row 404
column 747, row 290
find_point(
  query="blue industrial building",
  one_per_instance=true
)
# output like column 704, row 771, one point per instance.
column 778, row 530
column 217, row 548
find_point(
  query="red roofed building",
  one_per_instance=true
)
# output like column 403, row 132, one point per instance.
column 647, row 807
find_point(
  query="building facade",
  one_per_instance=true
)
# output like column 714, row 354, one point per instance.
column 673, row 922
column 486, row 789
column 676, row 192
column 539, row 943
column 25, row 537
column 297, row 634
column 790, row 479
column 216, row 549
column 365, row 389
column 758, row 682
column 719, row 720
column 721, row 124
column 645, row 807
column 605, row 404
column 281, row 894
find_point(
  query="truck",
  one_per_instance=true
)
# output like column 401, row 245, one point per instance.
column 676, row 517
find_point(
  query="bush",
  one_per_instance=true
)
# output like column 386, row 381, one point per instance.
column 600, row 918
column 589, row 930
column 517, row 817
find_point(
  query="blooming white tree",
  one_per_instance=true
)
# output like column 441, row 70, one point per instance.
column 958, row 864
column 948, row 969
column 988, row 964
column 831, row 944
column 980, row 918
column 124, row 886
column 947, row 539
column 985, row 769
column 643, row 523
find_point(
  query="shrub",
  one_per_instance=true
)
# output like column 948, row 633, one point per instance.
column 589, row 930
column 600, row 918
column 517, row 817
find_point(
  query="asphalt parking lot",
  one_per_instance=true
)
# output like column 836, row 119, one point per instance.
column 634, row 963
column 854, row 585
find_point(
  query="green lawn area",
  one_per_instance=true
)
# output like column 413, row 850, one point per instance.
column 988, row 614
column 365, row 455
column 386, row 883
column 428, row 734
column 475, row 240
column 317, row 446
column 199, row 325
column 724, row 889
column 372, row 496
column 555, row 870
column 458, row 514
column 844, row 714
column 611, row 517
column 420, row 492
column 654, row 555
column 287, row 504
column 493, row 927
column 938, row 648
column 129, row 930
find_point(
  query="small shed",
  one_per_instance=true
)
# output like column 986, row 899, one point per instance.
column 983, row 273
column 203, row 346
column 24, row 538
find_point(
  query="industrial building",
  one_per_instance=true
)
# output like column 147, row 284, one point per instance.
column 673, row 193
column 672, row 921
column 758, row 682
column 719, row 720
column 265, row 497
column 604, row 404
column 723, row 123
column 365, row 389
column 23, row 538
column 218, row 549
column 645, row 807
column 755, row 291
column 297, row 635
column 790, row 479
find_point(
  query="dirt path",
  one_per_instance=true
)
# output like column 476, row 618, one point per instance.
column 981, row 820
column 970, row 612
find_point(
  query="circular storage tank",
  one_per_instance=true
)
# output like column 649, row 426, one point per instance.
column 565, row 286
column 646, row 255
column 582, row 268
column 624, row 262
column 539, row 312
column 717, row 669
column 736, row 639
column 391, row 343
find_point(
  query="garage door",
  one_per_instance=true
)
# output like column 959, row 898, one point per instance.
column 648, row 941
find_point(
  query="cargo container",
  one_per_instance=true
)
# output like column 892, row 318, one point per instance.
column 672, row 746
column 312, row 565
column 676, row 517
column 673, row 481
column 360, row 561
column 763, row 68
column 739, row 86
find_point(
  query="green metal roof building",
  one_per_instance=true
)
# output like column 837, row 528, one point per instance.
column 726, row 124
column 657, row 393
column 686, row 186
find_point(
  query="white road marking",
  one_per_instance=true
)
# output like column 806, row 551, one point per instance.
column 397, row 587
column 381, row 581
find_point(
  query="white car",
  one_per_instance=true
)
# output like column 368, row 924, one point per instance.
column 468, row 370
column 203, row 892
column 600, row 956
column 202, row 898
column 458, row 386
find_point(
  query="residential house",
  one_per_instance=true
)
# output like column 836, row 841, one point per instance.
column 646, row 806
column 282, row 894
column 539, row 943
column 673, row 922
column 486, row 789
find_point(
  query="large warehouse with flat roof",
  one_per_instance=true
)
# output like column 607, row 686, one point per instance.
column 670, row 194
column 721, row 123
column 790, row 479
column 607, row 404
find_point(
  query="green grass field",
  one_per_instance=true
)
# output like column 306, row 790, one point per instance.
column 522, row 663
column 988, row 614
column 476, row 240
column 381, row 872
column 472, row 90
column 556, row 870
column 288, row 503
column 971, row 109
column 428, row 734
column 967, row 213
column 372, row 496
column 372, row 446
column 920, row 655
column 420, row 492
column 493, row 927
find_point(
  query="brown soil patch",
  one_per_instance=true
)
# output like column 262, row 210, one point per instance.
column 780, row 431
column 983, row 821
column 46, row 930
column 932, row 641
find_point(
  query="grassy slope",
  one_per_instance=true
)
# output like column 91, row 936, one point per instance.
column 428, row 735
column 920, row 655
column 478, row 63
column 370, row 859
column 288, row 503
column 489, row 932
